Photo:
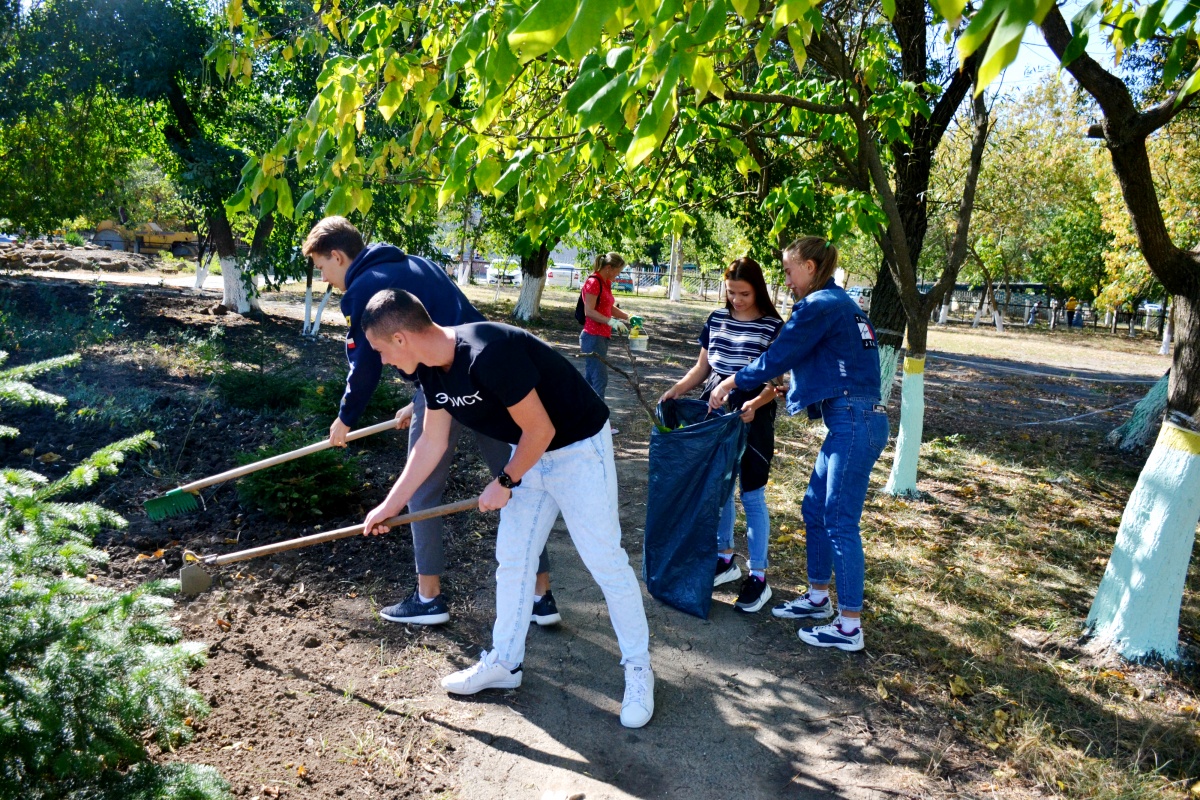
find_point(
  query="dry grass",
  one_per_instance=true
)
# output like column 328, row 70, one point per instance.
column 975, row 599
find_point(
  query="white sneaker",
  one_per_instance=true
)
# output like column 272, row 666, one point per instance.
column 487, row 674
column 638, row 706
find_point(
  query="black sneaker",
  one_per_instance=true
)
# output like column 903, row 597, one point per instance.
column 545, row 611
column 754, row 594
column 726, row 571
column 414, row 612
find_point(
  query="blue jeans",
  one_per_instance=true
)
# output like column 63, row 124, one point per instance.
column 758, row 526
column 594, row 370
column 833, row 504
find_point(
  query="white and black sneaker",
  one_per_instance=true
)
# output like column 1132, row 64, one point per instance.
column 754, row 594
column 545, row 611
column 488, row 673
column 804, row 608
column 726, row 572
column 833, row 635
column 415, row 612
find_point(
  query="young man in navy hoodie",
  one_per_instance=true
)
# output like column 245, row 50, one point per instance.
column 336, row 248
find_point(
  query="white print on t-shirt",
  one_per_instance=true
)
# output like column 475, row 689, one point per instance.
column 458, row 402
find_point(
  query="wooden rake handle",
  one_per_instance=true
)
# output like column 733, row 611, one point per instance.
column 340, row 533
column 246, row 469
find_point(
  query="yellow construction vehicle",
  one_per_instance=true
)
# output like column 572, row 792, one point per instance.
column 148, row 238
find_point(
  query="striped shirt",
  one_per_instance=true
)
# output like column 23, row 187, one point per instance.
column 732, row 343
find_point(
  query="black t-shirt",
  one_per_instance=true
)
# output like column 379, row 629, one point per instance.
column 495, row 367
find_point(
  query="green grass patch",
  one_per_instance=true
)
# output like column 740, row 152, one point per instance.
column 974, row 606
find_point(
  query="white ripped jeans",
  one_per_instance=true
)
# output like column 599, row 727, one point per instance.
column 580, row 480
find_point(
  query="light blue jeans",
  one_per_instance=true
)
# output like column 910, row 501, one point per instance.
column 758, row 526
column 833, row 504
column 580, row 480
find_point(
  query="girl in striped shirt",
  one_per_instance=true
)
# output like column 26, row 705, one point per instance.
column 732, row 337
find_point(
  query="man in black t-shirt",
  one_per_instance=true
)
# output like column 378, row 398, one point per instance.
column 510, row 385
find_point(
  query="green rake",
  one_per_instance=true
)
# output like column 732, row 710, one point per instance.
column 184, row 499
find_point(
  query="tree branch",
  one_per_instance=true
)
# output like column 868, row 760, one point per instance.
column 786, row 100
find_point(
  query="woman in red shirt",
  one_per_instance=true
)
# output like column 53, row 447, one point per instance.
column 601, row 317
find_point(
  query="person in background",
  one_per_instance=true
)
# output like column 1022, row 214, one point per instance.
column 830, row 348
column 601, row 318
column 359, row 271
column 731, row 338
column 1033, row 313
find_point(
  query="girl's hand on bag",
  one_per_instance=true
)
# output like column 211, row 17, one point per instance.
column 748, row 411
column 721, row 393
column 669, row 394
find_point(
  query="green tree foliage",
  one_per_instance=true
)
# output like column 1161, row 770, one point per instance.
column 88, row 674
column 59, row 160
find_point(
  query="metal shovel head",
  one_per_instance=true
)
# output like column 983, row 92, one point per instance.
column 193, row 580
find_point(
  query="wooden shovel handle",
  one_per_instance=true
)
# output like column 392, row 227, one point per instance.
column 340, row 533
column 238, row 472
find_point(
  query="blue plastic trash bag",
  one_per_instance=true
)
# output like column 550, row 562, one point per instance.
column 691, row 477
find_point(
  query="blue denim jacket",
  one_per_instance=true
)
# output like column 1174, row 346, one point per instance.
column 830, row 347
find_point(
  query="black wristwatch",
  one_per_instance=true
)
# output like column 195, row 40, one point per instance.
column 505, row 480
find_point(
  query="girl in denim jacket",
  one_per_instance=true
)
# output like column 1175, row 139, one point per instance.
column 829, row 346
column 732, row 337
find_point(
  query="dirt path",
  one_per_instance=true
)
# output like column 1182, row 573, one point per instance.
column 741, row 707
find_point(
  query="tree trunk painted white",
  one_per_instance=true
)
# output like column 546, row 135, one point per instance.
column 999, row 318
column 307, row 326
column 235, row 297
column 903, row 480
column 978, row 317
column 944, row 314
column 463, row 278
column 202, row 272
column 316, row 326
column 529, row 302
column 1136, row 608
column 676, row 268
column 1168, row 334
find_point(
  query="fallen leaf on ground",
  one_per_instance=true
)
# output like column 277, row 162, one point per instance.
column 883, row 692
column 959, row 687
column 49, row 458
column 223, row 625
column 28, row 451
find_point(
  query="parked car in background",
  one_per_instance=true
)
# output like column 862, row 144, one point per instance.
column 623, row 282
column 7, row 238
column 862, row 296
column 504, row 271
column 564, row 275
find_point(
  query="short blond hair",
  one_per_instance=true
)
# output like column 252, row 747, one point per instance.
column 333, row 233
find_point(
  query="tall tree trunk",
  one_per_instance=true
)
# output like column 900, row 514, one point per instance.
column 236, row 296
column 533, row 281
column 1168, row 332
column 676, row 282
column 466, row 255
column 1136, row 608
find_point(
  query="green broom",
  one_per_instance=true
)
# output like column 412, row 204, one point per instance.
column 183, row 499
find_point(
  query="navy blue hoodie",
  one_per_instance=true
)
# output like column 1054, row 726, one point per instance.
column 382, row 266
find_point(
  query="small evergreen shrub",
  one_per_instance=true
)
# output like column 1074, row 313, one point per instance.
column 315, row 485
column 259, row 390
column 74, row 238
column 88, row 674
column 323, row 400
